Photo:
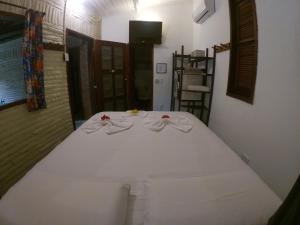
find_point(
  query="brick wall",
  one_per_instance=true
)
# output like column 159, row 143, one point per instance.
column 26, row 137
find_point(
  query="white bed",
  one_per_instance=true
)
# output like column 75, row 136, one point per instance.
column 180, row 178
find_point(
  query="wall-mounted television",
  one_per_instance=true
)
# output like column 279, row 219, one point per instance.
column 148, row 32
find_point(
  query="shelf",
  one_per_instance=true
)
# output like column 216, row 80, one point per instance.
column 200, row 59
column 179, row 68
column 198, row 88
column 193, row 58
column 193, row 81
column 191, row 100
column 190, row 91
column 192, row 71
column 194, row 106
column 199, row 73
column 182, row 56
column 188, row 96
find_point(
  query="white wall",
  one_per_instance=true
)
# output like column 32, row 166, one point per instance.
column 177, row 31
column 269, row 130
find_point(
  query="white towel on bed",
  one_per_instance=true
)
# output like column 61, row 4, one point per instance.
column 111, row 126
column 137, row 203
column 178, row 122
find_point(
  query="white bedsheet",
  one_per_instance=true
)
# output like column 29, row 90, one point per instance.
column 81, row 181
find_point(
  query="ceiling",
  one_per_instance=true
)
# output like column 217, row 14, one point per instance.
column 107, row 7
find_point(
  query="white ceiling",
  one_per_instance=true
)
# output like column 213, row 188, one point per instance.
column 107, row 7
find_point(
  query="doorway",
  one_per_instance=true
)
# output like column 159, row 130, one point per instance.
column 80, row 79
column 141, row 56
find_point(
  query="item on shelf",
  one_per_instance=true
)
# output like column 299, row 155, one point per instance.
column 199, row 88
column 198, row 53
column 193, row 71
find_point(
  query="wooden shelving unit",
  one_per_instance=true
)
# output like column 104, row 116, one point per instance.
column 193, row 83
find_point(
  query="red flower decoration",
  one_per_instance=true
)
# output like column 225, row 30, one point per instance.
column 105, row 117
column 165, row 117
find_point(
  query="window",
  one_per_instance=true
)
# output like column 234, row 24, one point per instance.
column 12, row 86
column 243, row 56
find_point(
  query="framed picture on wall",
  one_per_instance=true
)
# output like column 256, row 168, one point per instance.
column 161, row 67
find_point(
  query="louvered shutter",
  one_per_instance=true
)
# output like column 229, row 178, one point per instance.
column 243, row 56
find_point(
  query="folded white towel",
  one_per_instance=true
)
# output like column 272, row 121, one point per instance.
column 178, row 122
column 137, row 203
column 109, row 126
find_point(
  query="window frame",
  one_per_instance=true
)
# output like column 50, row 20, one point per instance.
column 232, row 89
column 12, row 104
column 19, row 101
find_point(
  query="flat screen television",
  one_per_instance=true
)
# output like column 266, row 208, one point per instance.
column 148, row 32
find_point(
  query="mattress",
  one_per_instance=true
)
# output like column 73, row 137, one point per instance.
column 190, row 178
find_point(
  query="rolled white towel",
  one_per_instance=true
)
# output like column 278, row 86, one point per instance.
column 137, row 203
column 178, row 122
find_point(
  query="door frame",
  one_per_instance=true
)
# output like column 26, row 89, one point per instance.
column 90, row 40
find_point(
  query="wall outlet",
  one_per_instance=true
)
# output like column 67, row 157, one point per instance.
column 245, row 158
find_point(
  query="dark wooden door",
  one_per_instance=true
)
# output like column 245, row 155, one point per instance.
column 80, row 72
column 141, row 76
column 74, row 83
column 110, row 75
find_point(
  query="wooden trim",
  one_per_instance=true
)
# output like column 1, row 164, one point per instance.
column 78, row 34
column 54, row 47
column 12, row 14
column 222, row 47
column 14, row 5
column 15, row 31
column 12, row 104
column 17, row 6
column 117, row 44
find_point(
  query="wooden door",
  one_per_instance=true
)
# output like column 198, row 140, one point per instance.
column 141, row 76
column 74, row 83
column 110, row 75
column 80, row 71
